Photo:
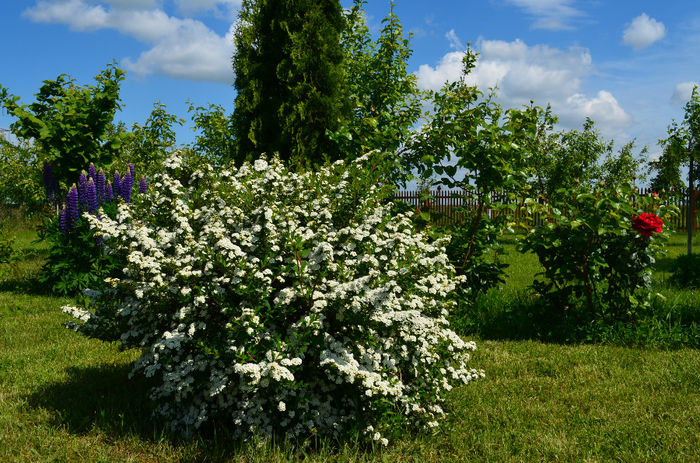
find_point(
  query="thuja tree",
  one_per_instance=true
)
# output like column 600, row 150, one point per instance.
column 69, row 123
column 477, row 146
column 681, row 149
column 289, row 79
column 385, row 99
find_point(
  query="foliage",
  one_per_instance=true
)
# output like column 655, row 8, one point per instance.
column 582, row 155
column 282, row 302
column 147, row 145
column 622, row 167
column 385, row 99
column 477, row 147
column 77, row 259
column 597, row 247
column 680, row 148
column 686, row 271
column 289, row 79
column 70, row 124
column 215, row 140
column 20, row 183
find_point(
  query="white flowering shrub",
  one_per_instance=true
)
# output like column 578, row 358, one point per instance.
column 284, row 303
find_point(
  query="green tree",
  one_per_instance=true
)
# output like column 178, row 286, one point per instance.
column 215, row 140
column 385, row 99
column 289, row 77
column 147, row 144
column 478, row 147
column 583, row 156
column 681, row 149
column 20, row 175
column 70, row 124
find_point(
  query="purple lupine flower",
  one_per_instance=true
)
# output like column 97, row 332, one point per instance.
column 142, row 185
column 108, row 192
column 100, row 186
column 130, row 167
column 72, row 205
column 49, row 183
column 91, row 196
column 116, row 184
column 82, row 189
column 126, row 186
column 92, row 172
column 63, row 219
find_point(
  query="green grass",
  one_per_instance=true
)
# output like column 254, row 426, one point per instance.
column 67, row 398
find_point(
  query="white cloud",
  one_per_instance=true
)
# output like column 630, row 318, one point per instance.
column 682, row 92
column 180, row 48
column 225, row 7
column 604, row 109
column 541, row 73
column 643, row 31
column 76, row 13
column 199, row 55
column 549, row 14
column 455, row 43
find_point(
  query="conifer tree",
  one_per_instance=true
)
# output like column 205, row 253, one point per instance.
column 289, row 78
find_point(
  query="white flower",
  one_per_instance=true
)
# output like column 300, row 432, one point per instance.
column 283, row 285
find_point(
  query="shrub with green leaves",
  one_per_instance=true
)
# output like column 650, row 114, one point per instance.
column 282, row 303
column 597, row 248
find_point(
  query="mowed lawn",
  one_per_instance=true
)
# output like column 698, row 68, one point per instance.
column 67, row 398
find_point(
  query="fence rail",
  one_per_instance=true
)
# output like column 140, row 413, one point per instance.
column 447, row 202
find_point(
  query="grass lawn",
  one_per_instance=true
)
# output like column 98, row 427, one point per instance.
column 67, row 398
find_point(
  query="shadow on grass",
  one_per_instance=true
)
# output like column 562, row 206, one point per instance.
column 28, row 285
column 101, row 397
column 104, row 399
column 670, row 323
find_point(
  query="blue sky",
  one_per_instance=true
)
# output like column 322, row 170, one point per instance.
column 630, row 66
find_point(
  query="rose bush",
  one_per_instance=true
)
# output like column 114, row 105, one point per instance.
column 597, row 247
column 282, row 303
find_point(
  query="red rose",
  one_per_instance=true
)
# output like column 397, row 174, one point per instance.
column 646, row 224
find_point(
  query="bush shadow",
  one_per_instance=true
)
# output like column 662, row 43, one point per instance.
column 105, row 399
column 101, row 397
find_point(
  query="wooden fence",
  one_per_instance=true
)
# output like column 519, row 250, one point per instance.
column 447, row 202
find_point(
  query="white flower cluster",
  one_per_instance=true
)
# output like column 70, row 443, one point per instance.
column 290, row 303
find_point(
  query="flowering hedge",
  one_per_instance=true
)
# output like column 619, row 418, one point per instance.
column 282, row 303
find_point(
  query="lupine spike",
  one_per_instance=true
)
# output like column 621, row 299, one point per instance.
column 72, row 202
column 91, row 196
column 142, row 185
column 92, row 172
column 82, row 189
column 130, row 167
column 100, row 185
column 116, row 184
column 63, row 219
column 126, row 186
column 108, row 192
